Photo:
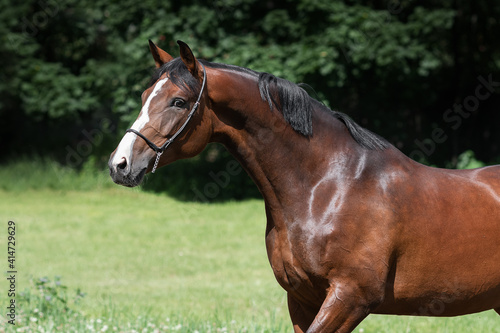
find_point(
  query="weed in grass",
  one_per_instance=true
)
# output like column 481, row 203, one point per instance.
column 47, row 305
column 49, row 298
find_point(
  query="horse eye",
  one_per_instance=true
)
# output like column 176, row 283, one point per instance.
column 178, row 103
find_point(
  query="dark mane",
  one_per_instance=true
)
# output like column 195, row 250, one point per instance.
column 296, row 106
column 292, row 101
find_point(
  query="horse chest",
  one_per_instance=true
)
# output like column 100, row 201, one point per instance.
column 294, row 272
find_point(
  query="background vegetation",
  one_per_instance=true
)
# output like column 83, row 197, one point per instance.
column 413, row 71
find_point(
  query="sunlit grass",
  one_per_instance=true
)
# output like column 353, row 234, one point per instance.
column 138, row 254
column 41, row 173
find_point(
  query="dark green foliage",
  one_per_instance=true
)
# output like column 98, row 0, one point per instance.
column 73, row 71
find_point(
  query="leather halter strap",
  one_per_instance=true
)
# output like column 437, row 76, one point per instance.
column 162, row 148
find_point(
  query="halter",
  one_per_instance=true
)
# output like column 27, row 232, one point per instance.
column 159, row 150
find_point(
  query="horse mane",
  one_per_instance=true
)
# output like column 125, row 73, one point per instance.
column 296, row 106
column 292, row 101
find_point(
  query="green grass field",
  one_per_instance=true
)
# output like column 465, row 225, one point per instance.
column 148, row 263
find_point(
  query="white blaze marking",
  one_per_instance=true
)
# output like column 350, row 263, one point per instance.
column 124, row 150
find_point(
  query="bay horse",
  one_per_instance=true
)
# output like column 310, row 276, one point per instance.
column 353, row 225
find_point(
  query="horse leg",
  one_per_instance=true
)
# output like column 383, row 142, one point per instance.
column 301, row 317
column 343, row 309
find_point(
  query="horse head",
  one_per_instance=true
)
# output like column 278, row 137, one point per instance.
column 172, row 115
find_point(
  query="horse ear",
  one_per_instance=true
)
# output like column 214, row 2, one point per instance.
column 188, row 58
column 161, row 57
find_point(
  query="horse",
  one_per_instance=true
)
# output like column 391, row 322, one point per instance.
column 354, row 226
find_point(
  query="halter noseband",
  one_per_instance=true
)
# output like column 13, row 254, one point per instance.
column 160, row 150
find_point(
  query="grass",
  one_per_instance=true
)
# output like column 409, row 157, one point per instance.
column 148, row 263
column 139, row 254
column 39, row 173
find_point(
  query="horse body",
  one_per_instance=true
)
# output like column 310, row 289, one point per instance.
column 448, row 257
column 414, row 219
column 353, row 226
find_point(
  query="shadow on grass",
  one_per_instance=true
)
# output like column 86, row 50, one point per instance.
column 212, row 176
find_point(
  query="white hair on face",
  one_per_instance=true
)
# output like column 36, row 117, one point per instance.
column 124, row 150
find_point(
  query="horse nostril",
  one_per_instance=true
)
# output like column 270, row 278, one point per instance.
column 122, row 164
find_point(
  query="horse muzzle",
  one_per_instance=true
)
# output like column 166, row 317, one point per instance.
column 122, row 172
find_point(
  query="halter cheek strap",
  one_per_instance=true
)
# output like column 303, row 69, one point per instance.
column 162, row 148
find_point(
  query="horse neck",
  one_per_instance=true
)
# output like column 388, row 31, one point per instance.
column 284, row 164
